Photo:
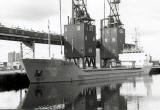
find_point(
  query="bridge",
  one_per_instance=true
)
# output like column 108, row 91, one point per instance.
column 29, row 38
column 18, row 34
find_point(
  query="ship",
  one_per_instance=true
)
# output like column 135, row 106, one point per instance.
column 135, row 53
column 80, row 50
column 47, row 71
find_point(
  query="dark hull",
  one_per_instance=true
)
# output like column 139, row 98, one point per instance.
column 43, row 71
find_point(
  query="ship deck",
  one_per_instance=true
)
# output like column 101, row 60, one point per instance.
column 109, row 72
column 108, row 69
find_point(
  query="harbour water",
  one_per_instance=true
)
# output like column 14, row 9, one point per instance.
column 125, row 93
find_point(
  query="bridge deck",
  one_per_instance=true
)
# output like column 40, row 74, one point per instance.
column 26, row 36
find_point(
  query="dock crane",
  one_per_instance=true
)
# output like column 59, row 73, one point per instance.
column 112, row 35
column 79, row 12
column 113, row 18
column 80, row 36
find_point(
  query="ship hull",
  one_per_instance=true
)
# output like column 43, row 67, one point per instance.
column 46, row 71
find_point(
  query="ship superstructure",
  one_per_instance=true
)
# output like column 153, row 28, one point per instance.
column 134, row 53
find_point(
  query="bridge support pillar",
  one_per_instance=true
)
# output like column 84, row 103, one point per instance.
column 28, row 49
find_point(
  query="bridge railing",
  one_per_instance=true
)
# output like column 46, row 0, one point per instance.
column 38, row 37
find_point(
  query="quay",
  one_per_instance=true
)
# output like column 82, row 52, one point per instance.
column 11, row 72
column 11, row 80
column 155, row 70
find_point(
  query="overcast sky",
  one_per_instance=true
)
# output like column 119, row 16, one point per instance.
column 34, row 14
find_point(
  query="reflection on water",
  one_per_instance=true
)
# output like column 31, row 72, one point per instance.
column 127, row 93
column 75, row 96
column 11, row 99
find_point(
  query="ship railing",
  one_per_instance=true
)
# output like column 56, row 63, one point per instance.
column 128, row 64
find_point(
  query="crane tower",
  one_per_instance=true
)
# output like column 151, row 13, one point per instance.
column 112, row 35
column 80, row 36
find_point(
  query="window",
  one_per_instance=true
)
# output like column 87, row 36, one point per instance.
column 121, row 31
column 94, row 39
column 107, row 31
column 90, row 50
column 90, row 28
column 36, row 34
column 86, row 38
column 113, row 40
column 87, row 28
column 105, row 40
column 114, row 51
column 65, row 29
column 78, row 28
column 82, row 50
column 10, row 31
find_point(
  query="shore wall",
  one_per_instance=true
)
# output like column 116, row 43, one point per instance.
column 14, row 81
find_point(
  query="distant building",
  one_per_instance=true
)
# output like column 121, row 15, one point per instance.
column 3, row 66
column 18, row 57
column 14, row 57
column 11, row 57
column 14, row 60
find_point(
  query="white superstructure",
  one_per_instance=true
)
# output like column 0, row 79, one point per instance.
column 140, row 58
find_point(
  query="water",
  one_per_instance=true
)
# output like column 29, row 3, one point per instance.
column 125, row 93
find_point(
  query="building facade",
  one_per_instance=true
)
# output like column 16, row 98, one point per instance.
column 14, row 60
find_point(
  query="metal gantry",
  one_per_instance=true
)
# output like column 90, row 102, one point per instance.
column 79, row 12
column 80, row 36
column 112, row 35
column 27, row 49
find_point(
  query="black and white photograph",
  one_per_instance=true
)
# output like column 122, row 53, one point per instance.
column 80, row 54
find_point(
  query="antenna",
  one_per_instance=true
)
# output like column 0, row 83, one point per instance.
column 136, row 38
column 60, row 24
column 104, row 12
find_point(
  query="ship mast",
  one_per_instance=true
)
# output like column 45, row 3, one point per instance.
column 49, row 39
column 60, row 8
column 136, row 38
